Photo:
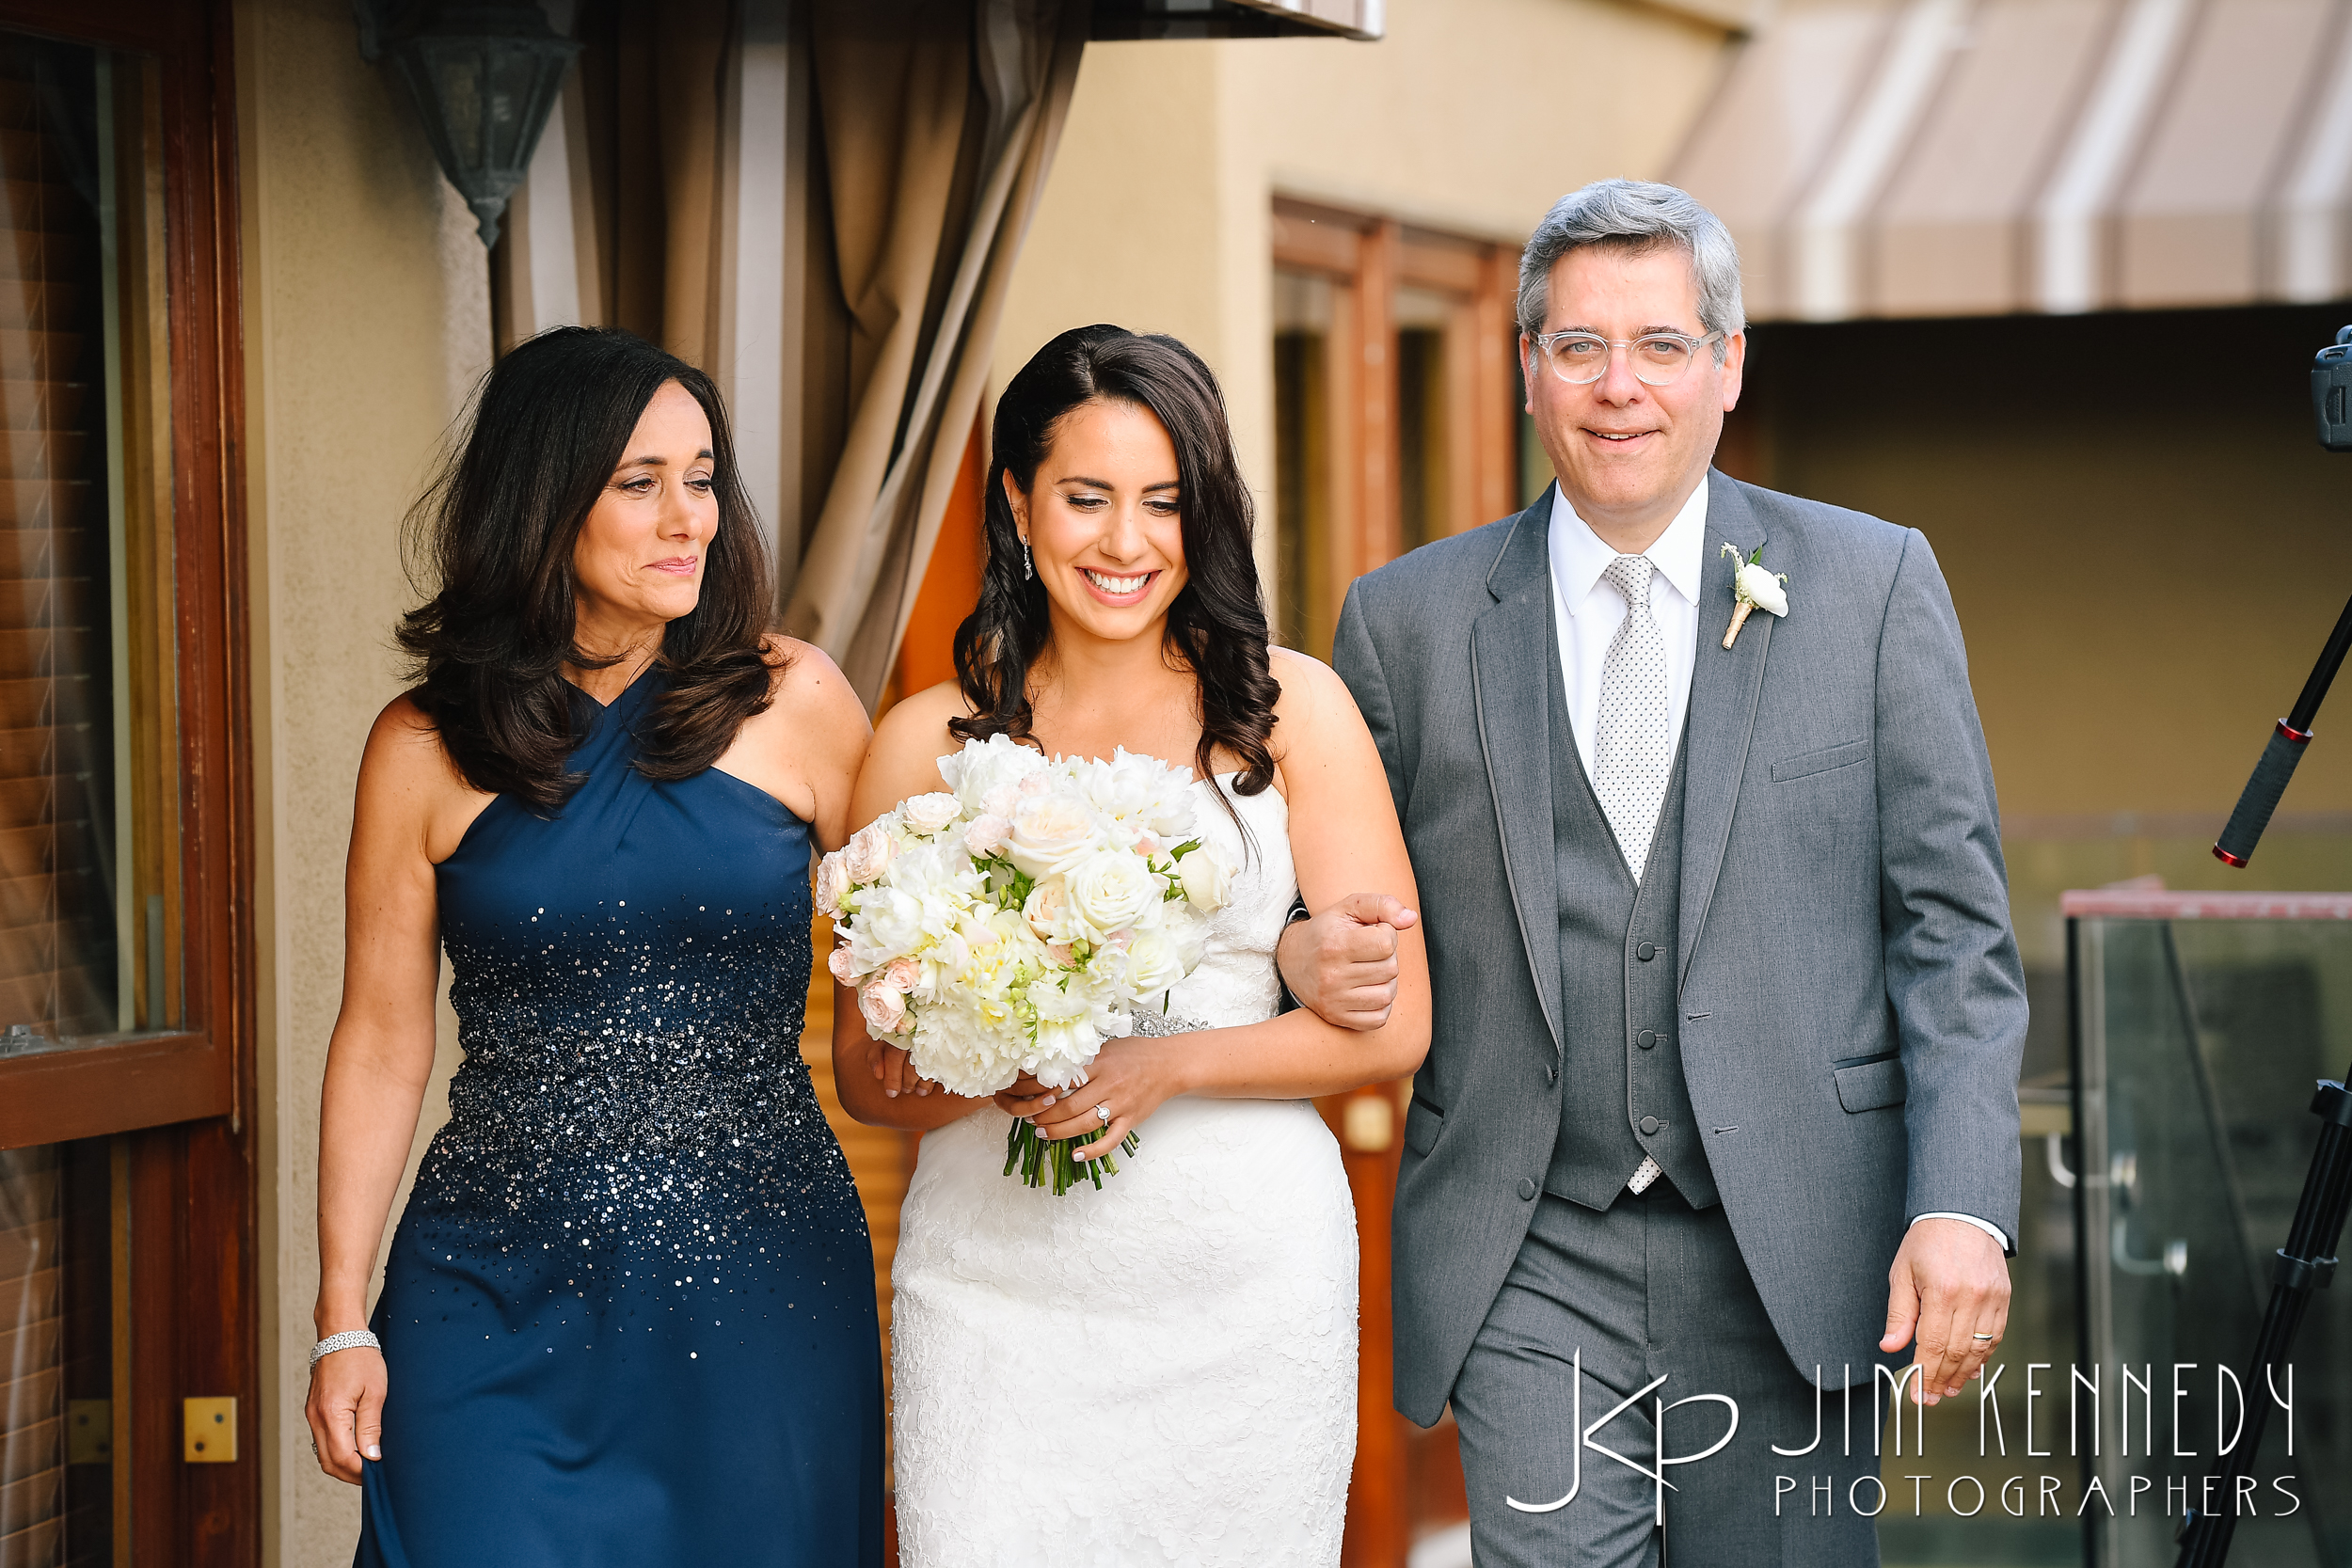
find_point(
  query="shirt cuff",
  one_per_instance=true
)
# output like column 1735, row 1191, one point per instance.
column 1986, row 1226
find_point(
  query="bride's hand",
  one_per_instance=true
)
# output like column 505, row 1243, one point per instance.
column 1132, row 1077
column 895, row 1069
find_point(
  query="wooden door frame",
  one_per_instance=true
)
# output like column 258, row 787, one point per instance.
column 186, row 1100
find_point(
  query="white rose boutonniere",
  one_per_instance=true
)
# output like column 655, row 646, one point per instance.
column 1752, row 588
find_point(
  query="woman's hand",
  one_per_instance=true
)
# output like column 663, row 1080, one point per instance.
column 1133, row 1077
column 346, row 1410
column 894, row 1070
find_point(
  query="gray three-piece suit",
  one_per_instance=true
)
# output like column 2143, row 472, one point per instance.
column 1808, row 1010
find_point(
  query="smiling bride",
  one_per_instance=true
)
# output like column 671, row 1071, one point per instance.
column 1162, row 1367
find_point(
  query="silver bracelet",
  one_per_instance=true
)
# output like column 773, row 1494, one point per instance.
column 351, row 1338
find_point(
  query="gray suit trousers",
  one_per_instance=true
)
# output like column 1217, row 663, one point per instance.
column 1652, row 1288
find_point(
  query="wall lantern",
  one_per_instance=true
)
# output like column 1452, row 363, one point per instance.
column 485, row 77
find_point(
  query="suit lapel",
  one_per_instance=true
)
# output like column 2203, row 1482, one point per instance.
column 1513, row 655
column 1725, row 685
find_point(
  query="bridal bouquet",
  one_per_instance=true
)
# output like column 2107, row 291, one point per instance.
column 1014, row 924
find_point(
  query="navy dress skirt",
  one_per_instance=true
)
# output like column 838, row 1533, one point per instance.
column 628, row 1314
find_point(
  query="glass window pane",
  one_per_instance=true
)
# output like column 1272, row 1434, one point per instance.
column 1303, row 310
column 89, row 763
column 1423, row 469
column 58, row 1308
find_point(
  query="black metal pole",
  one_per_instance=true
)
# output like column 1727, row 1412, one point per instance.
column 2287, row 740
column 2305, row 1263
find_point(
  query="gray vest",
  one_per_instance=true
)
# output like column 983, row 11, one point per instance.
column 1625, row 1095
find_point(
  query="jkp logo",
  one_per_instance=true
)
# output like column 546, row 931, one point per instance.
column 1660, row 1460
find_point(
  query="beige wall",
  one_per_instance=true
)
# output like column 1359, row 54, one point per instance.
column 1156, row 213
column 367, row 319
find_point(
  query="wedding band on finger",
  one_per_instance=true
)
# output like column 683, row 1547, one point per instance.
column 1103, row 1113
column 1982, row 1339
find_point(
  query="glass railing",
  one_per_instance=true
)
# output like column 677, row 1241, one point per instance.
column 2201, row 1023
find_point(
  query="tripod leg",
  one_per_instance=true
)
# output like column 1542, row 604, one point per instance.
column 2305, row 1263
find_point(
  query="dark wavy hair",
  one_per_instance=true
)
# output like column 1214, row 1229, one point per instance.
column 1217, row 623
column 492, row 541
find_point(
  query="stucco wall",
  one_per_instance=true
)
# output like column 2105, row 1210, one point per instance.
column 1156, row 215
column 367, row 320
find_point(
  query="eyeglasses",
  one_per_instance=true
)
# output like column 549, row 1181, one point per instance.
column 1658, row 358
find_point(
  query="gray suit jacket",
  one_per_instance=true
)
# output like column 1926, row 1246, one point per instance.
column 1853, row 1010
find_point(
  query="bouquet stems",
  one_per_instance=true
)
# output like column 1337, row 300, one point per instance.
column 1040, row 1159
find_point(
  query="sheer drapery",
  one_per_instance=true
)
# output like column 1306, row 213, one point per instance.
column 822, row 203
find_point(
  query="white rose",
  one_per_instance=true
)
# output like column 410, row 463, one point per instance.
column 1050, row 834
column 1048, row 912
column 832, row 880
column 1110, row 891
column 987, row 835
column 1764, row 587
column 869, row 852
column 928, row 813
column 1154, row 963
column 883, row 1006
column 1207, row 877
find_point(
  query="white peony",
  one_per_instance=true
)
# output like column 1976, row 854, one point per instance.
column 1764, row 587
column 1109, row 891
column 985, row 769
column 1207, row 877
column 1141, row 794
column 928, row 813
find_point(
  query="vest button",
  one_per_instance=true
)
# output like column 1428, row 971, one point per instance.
column 1646, row 952
column 1647, row 1039
column 1527, row 1190
column 1650, row 1126
column 1552, row 1074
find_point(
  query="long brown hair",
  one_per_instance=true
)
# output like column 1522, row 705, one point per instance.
column 493, row 537
column 1216, row 623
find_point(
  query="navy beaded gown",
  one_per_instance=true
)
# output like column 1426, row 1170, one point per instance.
column 628, row 1314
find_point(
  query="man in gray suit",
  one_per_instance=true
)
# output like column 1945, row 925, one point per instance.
column 1728, row 1014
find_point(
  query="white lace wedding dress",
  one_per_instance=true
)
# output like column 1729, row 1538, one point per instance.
column 1160, row 1371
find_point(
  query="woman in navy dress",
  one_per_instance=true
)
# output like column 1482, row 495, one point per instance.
column 627, row 1316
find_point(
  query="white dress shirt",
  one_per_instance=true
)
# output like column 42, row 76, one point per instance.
column 1588, row 612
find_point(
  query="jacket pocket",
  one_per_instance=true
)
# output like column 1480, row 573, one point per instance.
column 1871, row 1082
column 1423, row 1121
column 1806, row 763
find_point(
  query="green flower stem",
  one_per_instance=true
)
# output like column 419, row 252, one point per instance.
column 1041, row 1160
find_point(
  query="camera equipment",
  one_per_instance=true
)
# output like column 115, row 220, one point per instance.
column 2308, row 1262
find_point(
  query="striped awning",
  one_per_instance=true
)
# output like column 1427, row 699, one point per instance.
column 1969, row 157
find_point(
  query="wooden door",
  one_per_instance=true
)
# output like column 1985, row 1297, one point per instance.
column 127, row 1185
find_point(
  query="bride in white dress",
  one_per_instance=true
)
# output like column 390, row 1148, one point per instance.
column 1162, row 1370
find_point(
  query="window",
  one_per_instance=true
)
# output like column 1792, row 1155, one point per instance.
column 1395, row 379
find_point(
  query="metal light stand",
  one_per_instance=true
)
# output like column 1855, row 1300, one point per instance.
column 2308, row 1262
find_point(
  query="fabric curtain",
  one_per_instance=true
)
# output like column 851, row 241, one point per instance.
column 821, row 201
column 937, row 142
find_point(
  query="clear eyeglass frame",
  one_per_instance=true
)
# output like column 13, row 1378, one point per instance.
column 1658, row 358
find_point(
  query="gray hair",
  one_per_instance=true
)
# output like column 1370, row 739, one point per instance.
column 1636, row 214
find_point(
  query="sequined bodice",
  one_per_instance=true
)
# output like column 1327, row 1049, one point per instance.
column 630, row 975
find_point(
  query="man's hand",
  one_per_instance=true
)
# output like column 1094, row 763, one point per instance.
column 1341, row 964
column 1951, row 1283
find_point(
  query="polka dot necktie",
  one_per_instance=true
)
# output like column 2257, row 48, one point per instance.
column 1634, row 742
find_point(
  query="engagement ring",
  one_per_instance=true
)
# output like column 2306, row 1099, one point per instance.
column 1104, row 1112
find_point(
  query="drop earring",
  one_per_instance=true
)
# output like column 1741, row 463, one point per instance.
column 1028, row 571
